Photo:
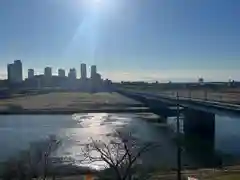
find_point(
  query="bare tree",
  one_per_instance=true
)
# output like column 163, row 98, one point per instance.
column 31, row 163
column 122, row 154
column 51, row 146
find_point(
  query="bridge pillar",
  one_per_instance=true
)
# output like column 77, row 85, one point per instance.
column 199, row 131
column 159, row 108
column 199, row 123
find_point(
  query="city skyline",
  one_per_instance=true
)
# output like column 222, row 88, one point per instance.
column 15, row 72
column 80, row 72
column 128, row 40
column 127, row 76
column 62, row 81
column 68, row 81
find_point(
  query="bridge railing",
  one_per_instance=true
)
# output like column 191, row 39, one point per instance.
column 199, row 95
column 231, row 98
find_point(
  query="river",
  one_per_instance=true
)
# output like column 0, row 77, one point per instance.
column 17, row 132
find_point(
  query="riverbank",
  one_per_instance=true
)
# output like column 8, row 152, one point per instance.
column 70, row 103
column 16, row 111
column 227, row 173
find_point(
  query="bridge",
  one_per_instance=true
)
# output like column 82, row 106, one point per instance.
column 198, row 113
column 201, row 104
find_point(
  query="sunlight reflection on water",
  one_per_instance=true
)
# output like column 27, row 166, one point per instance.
column 99, row 126
column 17, row 132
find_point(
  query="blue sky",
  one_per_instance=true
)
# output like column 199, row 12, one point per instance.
column 176, row 40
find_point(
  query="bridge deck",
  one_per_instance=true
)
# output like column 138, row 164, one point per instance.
column 215, row 107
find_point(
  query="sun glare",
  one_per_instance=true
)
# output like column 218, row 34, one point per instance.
column 98, row 1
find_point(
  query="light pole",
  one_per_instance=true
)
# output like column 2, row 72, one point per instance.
column 178, row 142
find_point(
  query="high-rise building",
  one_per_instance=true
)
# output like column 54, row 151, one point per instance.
column 48, row 72
column 18, row 71
column 15, row 73
column 30, row 73
column 98, row 77
column 10, row 71
column 72, row 74
column 93, row 71
column 61, row 72
column 83, row 71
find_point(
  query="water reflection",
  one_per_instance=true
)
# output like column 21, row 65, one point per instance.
column 16, row 133
column 227, row 134
column 99, row 126
column 226, row 137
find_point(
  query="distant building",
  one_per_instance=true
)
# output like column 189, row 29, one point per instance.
column 72, row 75
column 61, row 73
column 108, row 82
column 83, row 71
column 93, row 71
column 10, row 71
column 48, row 72
column 18, row 71
column 231, row 83
column 98, row 77
column 15, row 73
column 201, row 81
column 30, row 73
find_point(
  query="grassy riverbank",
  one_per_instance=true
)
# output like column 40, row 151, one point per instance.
column 67, row 103
column 228, row 173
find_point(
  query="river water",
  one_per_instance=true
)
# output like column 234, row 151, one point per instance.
column 17, row 132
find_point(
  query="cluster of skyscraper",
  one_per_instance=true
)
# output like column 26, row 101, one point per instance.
column 61, row 80
column 15, row 72
column 72, row 74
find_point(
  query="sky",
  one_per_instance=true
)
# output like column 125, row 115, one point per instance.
column 177, row 40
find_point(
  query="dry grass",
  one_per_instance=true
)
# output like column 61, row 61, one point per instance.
column 66, row 101
column 226, row 177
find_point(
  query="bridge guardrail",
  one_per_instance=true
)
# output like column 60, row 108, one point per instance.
column 207, row 96
column 231, row 97
column 198, row 103
column 217, row 100
column 205, row 101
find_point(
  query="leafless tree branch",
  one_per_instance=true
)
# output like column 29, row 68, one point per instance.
column 121, row 154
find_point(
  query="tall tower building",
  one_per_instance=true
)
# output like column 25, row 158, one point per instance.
column 48, row 72
column 72, row 74
column 30, row 73
column 93, row 71
column 18, row 71
column 83, row 71
column 61, row 72
column 10, row 71
column 15, row 73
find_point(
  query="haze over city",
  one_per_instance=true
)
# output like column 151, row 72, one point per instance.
column 127, row 40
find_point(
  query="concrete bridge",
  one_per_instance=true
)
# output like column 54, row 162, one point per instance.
column 198, row 114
